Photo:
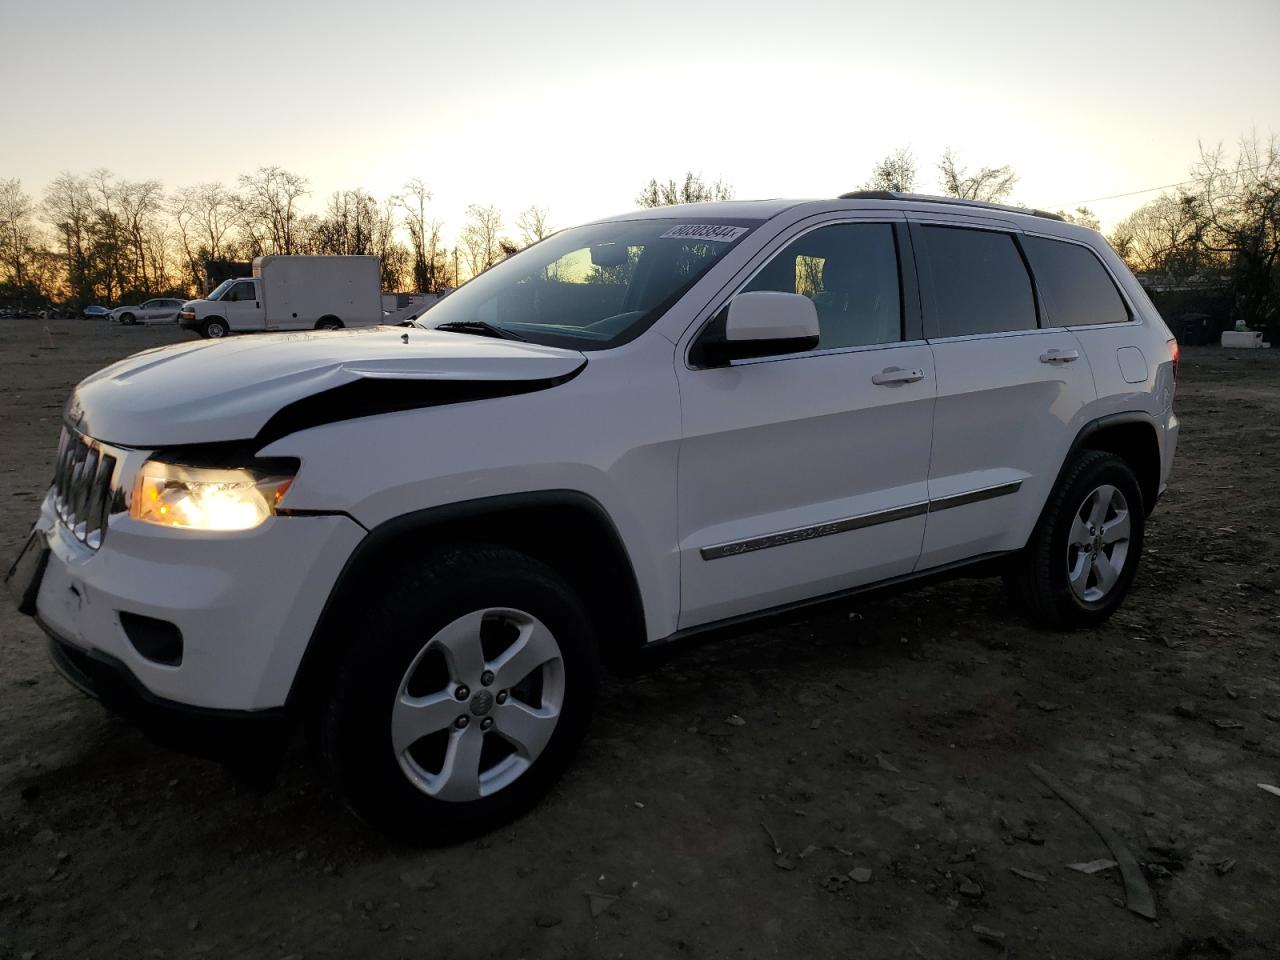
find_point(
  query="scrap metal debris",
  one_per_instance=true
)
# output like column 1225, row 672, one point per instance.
column 1093, row 866
column 885, row 765
column 1270, row 789
column 1029, row 875
column 988, row 935
column 600, row 902
column 1138, row 897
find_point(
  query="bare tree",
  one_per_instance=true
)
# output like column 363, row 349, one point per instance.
column 68, row 205
column 140, row 205
column 108, row 233
column 17, row 231
column 1083, row 216
column 481, row 238
column 532, row 224
column 268, row 208
column 424, row 237
column 690, row 190
column 348, row 226
column 1237, row 200
column 896, row 172
column 1165, row 235
column 393, row 256
column 989, row 184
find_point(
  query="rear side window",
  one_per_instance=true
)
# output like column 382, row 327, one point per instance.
column 980, row 283
column 1076, row 287
column 850, row 272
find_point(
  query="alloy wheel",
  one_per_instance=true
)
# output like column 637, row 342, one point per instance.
column 1098, row 545
column 478, row 704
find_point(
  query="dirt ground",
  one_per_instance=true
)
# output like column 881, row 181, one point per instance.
column 894, row 736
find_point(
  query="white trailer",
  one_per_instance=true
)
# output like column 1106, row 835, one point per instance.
column 292, row 293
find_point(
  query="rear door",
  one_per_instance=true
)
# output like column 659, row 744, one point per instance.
column 1009, row 388
column 806, row 474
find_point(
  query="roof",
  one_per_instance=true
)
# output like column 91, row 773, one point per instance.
column 958, row 201
column 1037, row 221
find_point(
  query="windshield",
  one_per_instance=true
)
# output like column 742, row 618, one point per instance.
column 219, row 290
column 591, row 287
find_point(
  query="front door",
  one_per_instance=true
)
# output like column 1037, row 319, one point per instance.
column 1009, row 391
column 242, row 307
column 806, row 474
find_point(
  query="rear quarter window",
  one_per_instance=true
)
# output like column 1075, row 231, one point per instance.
column 1076, row 287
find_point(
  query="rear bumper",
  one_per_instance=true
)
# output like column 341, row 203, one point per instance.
column 218, row 734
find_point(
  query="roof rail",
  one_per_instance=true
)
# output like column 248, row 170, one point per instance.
column 927, row 198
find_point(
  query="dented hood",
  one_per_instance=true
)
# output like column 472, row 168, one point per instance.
column 216, row 390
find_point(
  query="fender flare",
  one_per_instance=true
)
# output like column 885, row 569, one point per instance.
column 380, row 537
column 1099, row 424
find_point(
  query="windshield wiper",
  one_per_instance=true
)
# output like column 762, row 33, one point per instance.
column 478, row 328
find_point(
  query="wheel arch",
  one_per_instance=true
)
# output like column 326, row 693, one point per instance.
column 1135, row 439
column 568, row 530
column 326, row 318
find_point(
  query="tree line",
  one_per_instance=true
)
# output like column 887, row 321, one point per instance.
column 97, row 237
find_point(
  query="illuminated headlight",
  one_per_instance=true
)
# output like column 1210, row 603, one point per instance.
column 201, row 499
column 187, row 314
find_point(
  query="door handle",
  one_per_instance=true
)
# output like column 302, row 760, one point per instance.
column 1059, row 356
column 896, row 376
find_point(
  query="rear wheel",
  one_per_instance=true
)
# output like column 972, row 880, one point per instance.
column 1084, row 553
column 214, row 328
column 329, row 323
column 462, row 696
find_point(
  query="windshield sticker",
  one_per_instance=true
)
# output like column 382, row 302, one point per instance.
column 704, row 231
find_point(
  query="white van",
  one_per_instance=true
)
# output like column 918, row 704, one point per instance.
column 291, row 293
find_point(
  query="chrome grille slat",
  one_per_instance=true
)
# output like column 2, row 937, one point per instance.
column 83, row 490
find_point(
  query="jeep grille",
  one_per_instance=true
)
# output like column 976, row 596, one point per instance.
column 82, row 487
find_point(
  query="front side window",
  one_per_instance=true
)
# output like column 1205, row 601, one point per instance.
column 850, row 272
column 1076, row 287
column 980, row 283
column 590, row 287
column 241, row 292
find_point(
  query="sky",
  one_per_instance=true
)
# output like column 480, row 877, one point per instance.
column 575, row 105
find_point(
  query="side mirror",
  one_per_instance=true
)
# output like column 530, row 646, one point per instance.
column 762, row 323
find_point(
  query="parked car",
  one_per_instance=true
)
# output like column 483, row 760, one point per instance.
column 96, row 313
column 160, row 310
column 424, row 542
column 292, row 293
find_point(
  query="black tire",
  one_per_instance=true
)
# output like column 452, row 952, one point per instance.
column 128, row 318
column 384, row 640
column 215, row 328
column 328, row 323
column 1040, row 576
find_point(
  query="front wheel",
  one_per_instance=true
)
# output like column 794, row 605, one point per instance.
column 128, row 319
column 214, row 329
column 462, row 695
column 1083, row 555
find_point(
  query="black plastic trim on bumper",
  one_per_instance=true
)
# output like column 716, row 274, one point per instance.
column 204, row 731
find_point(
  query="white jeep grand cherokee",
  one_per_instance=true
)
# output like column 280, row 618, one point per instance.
column 422, row 542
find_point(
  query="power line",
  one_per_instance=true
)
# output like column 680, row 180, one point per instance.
column 1167, row 186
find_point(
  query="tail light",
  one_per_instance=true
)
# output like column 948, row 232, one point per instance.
column 1173, row 358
